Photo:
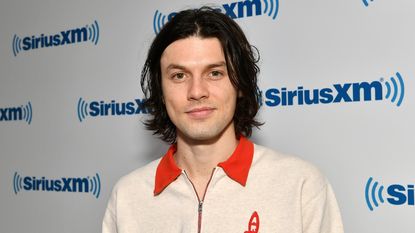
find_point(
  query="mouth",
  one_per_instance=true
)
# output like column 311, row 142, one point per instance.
column 200, row 113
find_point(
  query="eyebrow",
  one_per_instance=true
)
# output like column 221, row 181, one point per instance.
column 210, row 66
column 219, row 64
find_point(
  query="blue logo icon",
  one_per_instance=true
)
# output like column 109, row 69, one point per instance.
column 347, row 92
column 21, row 113
column 158, row 21
column 396, row 91
column 63, row 184
column 112, row 108
column 373, row 193
column 366, row 3
column 396, row 194
column 235, row 10
column 77, row 35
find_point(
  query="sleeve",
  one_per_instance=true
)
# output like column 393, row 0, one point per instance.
column 321, row 213
column 109, row 223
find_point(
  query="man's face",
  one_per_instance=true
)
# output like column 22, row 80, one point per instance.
column 199, row 97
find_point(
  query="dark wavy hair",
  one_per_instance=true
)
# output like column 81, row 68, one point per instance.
column 241, row 59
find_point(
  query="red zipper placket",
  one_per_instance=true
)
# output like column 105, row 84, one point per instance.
column 200, row 205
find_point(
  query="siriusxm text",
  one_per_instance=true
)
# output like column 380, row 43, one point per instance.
column 237, row 10
column 56, row 185
column 348, row 92
column 62, row 38
column 113, row 108
column 401, row 195
column 11, row 114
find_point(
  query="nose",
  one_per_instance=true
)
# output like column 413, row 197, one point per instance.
column 198, row 88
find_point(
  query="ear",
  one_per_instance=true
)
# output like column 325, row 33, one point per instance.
column 240, row 94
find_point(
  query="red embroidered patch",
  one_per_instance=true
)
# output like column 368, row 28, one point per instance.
column 253, row 225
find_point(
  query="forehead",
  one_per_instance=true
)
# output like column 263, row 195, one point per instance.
column 192, row 51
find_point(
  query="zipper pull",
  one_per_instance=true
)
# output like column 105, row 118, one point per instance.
column 200, row 206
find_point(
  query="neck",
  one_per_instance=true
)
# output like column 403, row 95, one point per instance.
column 199, row 157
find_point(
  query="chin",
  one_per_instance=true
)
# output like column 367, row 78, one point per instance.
column 202, row 135
column 203, row 132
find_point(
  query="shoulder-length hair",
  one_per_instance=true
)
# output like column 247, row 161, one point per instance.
column 241, row 59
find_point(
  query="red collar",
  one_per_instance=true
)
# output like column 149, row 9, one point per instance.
column 236, row 167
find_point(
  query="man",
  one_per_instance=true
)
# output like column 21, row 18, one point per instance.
column 200, row 79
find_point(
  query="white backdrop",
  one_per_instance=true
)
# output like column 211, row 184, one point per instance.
column 54, row 136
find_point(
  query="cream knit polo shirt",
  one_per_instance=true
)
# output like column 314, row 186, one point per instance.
column 255, row 190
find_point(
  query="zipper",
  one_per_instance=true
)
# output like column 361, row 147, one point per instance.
column 200, row 204
column 199, row 219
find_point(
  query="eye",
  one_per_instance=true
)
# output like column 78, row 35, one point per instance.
column 216, row 74
column 178, row 76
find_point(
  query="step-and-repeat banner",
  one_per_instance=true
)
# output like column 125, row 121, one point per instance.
column 337, row 81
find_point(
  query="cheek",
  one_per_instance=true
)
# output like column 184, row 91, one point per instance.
column 167, row 91
column 232, row 105
column 172, row 111
column 230, row 101
column 231, row 95
column 170, row 105
column 173, row 103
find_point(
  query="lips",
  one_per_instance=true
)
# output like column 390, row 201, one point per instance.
column 200, row 113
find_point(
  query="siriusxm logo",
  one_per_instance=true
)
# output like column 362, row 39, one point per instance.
column 235, row 10
column 63, row 184
column 71, row 36
column 394, row 194
column 366, row 2
column 337, row 93
column 112, row 108
column 21, row 113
